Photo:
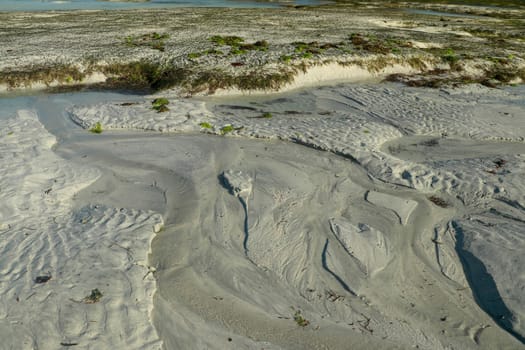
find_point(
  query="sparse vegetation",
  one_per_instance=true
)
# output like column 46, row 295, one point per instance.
column 26, row 76
column 152, row 40
column 145, row 75
column 205, row 125
column 494, row 52
column 266, row 115
column 492, row 76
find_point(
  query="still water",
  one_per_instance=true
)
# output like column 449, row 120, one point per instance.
column 43, row 5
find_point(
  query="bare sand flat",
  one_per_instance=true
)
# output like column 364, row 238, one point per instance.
column 369, row 216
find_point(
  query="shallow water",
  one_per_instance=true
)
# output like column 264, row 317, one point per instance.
column 51, row 107
column 44, row 5
column 441, row 13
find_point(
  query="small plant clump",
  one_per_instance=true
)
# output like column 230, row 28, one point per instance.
column 160, row 104
column 97, row 128
column 153, row 40
column 94, row 297
column 266, row 115
column 205, row 125
column 299, row 319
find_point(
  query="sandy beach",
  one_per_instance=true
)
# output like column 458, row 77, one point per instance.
column 336, row 211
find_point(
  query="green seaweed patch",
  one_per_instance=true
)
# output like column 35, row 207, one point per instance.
column 97, row 128
column 205, row 125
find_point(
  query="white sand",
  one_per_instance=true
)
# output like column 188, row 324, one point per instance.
column 318, row 235
column 44, row 233
column 259, row 232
